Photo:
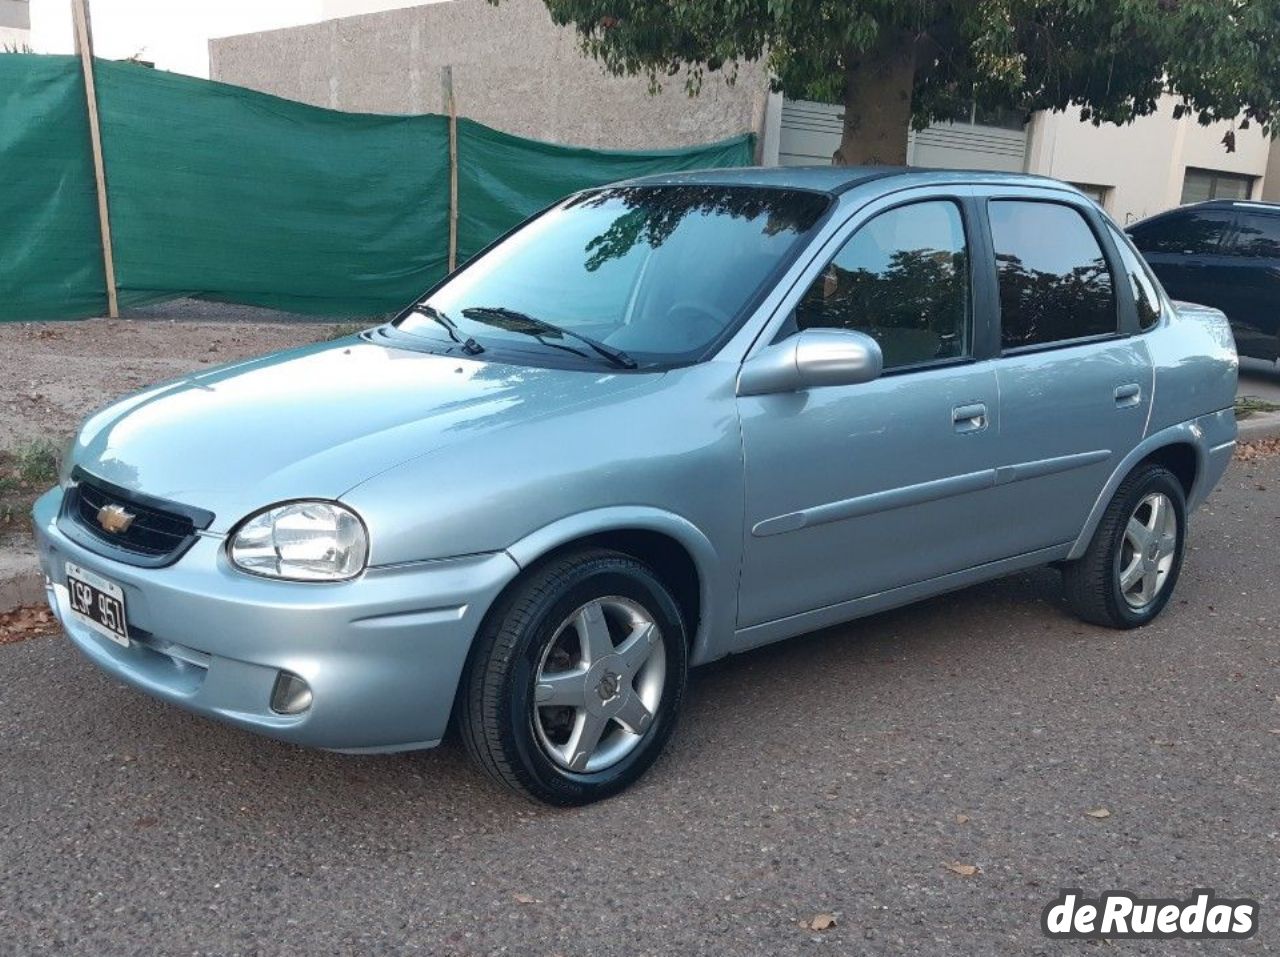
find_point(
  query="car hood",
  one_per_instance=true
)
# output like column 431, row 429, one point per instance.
column 314, row 422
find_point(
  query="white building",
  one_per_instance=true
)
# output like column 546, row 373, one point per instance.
column 15, row 25
column 1132, row 171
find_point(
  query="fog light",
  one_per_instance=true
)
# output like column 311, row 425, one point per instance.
column 291, row 695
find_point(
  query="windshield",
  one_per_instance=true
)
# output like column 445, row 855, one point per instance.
column 657, row 274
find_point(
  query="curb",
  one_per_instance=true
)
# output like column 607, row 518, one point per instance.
column 21, row 588
column 1264, row 425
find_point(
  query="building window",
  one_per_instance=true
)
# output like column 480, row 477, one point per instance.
column 1203, row 184
column 1000, row 117
column 1098, row 194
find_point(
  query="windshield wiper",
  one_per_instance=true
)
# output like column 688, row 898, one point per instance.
column 469, row 345
column 516, row 321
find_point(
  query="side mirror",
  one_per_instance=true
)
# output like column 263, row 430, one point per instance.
column 815, row 357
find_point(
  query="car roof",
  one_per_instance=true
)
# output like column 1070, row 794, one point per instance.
column 840, row 179
column 1208, row 204
column 1234, row 204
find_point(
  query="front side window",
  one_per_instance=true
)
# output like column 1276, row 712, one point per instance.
column 1145, row 298
column 903, row 279
column 658, row 273
column 1054, row 282
column 1187, row 232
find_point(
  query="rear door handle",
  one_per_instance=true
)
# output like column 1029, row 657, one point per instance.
column 969, row 418
column 1128, row 395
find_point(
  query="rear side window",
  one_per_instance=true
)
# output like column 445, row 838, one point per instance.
column 1258, row 236
column 1189, row 232
column 903, row 279
column 1054, row 282
column 1145, row 298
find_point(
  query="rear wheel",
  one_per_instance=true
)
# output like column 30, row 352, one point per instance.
column 576, row 679
column 1127, row 575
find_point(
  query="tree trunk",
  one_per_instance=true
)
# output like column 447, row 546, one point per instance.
column 877, row 104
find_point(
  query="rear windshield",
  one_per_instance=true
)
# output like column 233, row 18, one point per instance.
column 662, row 273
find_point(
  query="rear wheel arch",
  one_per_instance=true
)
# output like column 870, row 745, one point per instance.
column 1180, row 458
column 1179, row 449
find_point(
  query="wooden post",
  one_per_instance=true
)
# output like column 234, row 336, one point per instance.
column 452, row 106
column 84, row 46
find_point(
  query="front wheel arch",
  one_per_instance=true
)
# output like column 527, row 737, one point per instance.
column 679, row 552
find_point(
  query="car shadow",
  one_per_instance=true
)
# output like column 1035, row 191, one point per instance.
column 856, row 675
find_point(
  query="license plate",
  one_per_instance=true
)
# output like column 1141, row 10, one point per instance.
column 97, row 603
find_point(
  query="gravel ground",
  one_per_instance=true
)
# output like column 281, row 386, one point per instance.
column 835, row 774
column 56, row 373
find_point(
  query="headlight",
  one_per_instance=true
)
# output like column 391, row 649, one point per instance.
column 302, row 541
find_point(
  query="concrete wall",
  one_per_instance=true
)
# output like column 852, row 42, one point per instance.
column 513, row 69
column 1142, row 164
column 15, row 14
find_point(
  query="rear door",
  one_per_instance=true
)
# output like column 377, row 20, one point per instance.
column 1075, row 380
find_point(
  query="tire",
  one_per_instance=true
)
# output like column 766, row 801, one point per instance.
column 1099, row 585
column 534, row 688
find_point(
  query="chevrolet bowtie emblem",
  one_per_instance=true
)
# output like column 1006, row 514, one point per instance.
column 115, row 519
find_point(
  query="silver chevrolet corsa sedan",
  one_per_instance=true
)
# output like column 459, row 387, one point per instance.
column 660, row 423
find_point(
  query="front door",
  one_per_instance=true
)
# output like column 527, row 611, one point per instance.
column 1186, row 250
column 854, row 490
column 1252, row 278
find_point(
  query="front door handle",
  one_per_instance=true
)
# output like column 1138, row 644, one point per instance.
column 969, row 418
column 1128, row 395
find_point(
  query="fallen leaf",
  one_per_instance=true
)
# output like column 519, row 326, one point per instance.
column 819, row 922
column 962, row 818
column 1099, row 813
column 964, row 870
column 26, row 622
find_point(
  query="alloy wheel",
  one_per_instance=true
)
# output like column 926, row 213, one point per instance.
column 1148, row 550
column 599, row 684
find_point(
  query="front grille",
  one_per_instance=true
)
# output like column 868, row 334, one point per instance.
column 159, row 534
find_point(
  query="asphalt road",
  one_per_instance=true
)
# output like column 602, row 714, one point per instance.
column 825, row 775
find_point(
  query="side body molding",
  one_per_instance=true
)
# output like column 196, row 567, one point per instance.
column 925, row 492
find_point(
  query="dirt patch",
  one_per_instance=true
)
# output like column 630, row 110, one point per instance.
column 54, row 374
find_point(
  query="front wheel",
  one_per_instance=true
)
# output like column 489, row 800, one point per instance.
column 1128, row 573
column 576, row 679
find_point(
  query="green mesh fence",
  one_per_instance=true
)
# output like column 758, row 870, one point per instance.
column 226, row 194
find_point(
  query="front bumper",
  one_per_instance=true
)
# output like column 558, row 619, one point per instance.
column 382, row 654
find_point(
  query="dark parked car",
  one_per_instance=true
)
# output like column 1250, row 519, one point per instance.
column 1225, row 254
